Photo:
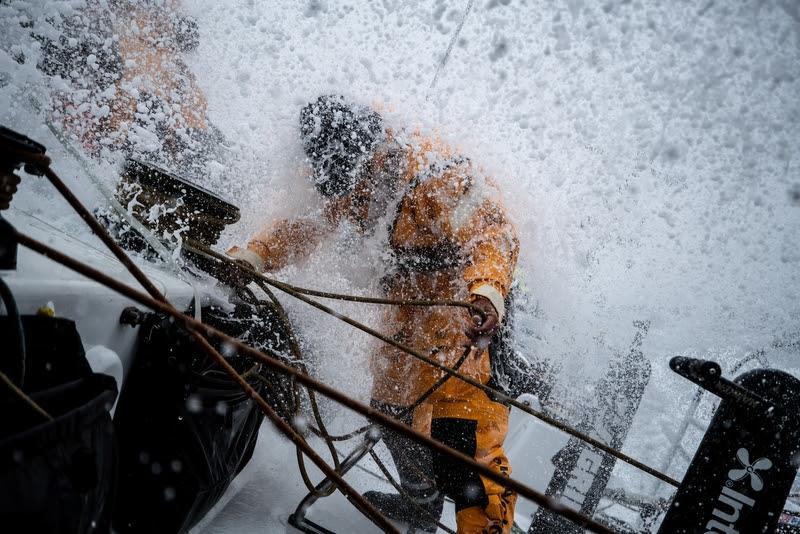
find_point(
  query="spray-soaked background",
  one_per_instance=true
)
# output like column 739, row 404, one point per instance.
column 648, row 152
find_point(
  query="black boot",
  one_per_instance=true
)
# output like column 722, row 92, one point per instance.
column 414, row 463
column 422, row 514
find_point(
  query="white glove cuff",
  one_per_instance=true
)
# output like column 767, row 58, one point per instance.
column 250, row 257
column 494, row 296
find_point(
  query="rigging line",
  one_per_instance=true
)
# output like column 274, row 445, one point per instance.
column 298, row 355
column 403, row 413
column 42, row 162
column 378, row 300
column 248, row 296
column 25, row 398
column 199, row 248
column 67, row 236
column 194, row 327
column 321, row 431
column 446, row 56
column 104, row 253
column 503, row 398
column 152, row 240
column 390, row 479
column 166, row 255
column 406, row 410
column 295, row 348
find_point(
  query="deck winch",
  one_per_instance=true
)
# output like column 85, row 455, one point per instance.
column 171, row 206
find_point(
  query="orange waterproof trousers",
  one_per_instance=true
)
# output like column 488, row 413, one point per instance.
column 456, row 414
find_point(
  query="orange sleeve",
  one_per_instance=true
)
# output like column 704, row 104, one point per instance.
column 492, row 251
column 490, row 241
column 466, row 206
column 289, row 240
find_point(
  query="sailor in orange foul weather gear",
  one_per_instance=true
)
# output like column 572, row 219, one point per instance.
column 449, row 238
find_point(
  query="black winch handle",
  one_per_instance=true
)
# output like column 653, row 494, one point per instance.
column 708, row 375
column 13, row 146
column 133, row 316
column 701, row 372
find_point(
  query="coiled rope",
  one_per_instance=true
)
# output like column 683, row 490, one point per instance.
column 194, row 327
column 300, row 294
column 275, row 363
column 157, row 301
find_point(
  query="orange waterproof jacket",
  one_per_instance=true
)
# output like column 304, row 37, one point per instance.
column 450, row 238
column 151, row 65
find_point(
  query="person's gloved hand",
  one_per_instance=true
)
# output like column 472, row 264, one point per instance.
column 483, row 328
column 8, row 186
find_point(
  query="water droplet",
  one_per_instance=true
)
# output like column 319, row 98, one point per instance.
column 300, row 423
column 194, row 404
column 374, row 433
column 472, row 491
column 228, row 349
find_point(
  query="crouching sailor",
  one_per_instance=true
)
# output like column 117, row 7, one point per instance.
column 449, row 238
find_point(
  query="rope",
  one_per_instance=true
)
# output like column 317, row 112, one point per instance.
column 25, row 398
column 201, row 249
column 446, row 56
column 404, row 494
column 320, row 430
column 151, row 240
column 295, row 347
column 408, row 409
column 323, row 432
column 343, row 437
column 159, row 303
column 378, row 300
column 275, row 363
column 43, row 163
column 502, row 398
column 248, row 296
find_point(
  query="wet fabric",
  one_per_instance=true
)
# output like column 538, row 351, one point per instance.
column 413, row 461
column 185, row 427
column 512, row 373
column 482, row 506
column 449, row 239
column 55, row 476
column 55, row 353
column 59, row 476
column 414, row 465
column 338, row 137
